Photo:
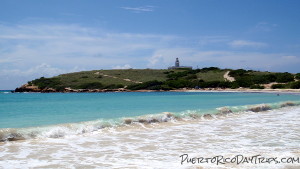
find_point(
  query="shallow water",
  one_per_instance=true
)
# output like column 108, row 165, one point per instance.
column 19, row 110
column 40, row 115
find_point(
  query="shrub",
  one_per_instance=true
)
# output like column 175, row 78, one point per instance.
column 114, row 86
column 190, row 77
column 177, row 75
column 91, row 85
column 155, row 87
column 210, row 84
column 215, row 84
column 238, row 72
column 225, row 84
column 263, row 79
column 270, row 77
column 120, row 86
column 234, row 85
column 284, row 77
column 295, row 85
column 257, row 87
column 59, row 88
column 43, row 82
column 165, row 87
column 278, row 86
column 297, row 76
column 245, row 81
column 179, row 83
column 146, row 85
column 206, row 69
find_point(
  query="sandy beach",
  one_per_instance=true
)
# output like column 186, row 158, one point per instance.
column 242, row 90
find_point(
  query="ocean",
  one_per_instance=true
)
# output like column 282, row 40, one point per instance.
column 148, row 129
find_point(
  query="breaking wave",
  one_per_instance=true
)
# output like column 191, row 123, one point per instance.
column 61, row 130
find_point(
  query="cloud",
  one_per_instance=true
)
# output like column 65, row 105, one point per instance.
column 289, row 57
column 44, row 70
column 40, row 70
column 154, row 60
column 140, row 9
column 204, row 40
column 15, row 77
column 265, row 26
column 126, row 66
column 244, row 43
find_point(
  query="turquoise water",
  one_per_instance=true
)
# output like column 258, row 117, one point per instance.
column 19, row 110
column 6, row 91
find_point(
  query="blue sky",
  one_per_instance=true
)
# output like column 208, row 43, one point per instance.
column 50, row 37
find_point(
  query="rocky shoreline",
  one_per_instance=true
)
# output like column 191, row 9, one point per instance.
column 36, row 89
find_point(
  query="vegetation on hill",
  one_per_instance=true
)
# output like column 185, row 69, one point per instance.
column 297, row 76
column 253, row 78
column 161, row 79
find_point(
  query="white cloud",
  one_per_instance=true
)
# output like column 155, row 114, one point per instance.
column 265, row 26
column 15, row 77
column 140, row 9
column 213, row 39
column 244, row 43
column 44, row 70
column 126, row 66
column 290, row 57
column 154, row 60
column 38, row 71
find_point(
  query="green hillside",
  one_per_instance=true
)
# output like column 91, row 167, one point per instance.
column 122, row 77
column 162, row 79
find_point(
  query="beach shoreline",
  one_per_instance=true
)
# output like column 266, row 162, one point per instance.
column 244, row 90
column 241, row 90
column 247, row 90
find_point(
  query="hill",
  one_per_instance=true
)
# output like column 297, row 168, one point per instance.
column 160, row 79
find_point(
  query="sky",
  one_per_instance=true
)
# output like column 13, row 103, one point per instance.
column 50, row 37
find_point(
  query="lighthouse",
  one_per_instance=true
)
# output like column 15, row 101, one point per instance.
column 177, row 65
column 177, row 62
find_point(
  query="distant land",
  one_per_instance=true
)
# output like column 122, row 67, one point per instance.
column 162, row 80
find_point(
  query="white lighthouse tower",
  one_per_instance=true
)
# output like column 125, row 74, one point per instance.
column 177, row 62
column 177, row 66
